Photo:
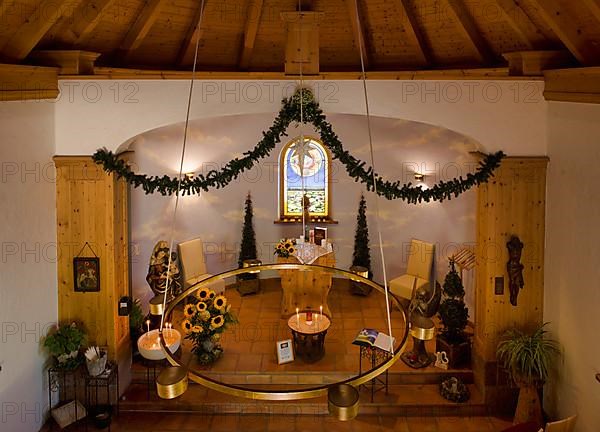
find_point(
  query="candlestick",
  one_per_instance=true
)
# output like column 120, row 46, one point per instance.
column 148, row 325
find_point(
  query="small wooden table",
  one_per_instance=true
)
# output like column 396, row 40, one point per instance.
column 309, row 339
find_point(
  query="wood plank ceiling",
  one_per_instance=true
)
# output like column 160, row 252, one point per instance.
column 249, row 35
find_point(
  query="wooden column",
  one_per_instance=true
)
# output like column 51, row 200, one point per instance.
column 92, row 206
column 512, row 203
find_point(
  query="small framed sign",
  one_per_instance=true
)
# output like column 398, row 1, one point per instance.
column 285, row 352
column 86, row 274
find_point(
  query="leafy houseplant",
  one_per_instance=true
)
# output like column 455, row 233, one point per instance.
column 64, row 344
column 204, row 322
column 527, row 358
column 136, row 323
column 454, row 315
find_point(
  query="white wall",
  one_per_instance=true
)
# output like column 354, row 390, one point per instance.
column 572, row 296
column 28, row 299
column 507, row 115
column 403, row 148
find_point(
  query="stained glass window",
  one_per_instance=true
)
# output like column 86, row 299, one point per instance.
column 304, row 166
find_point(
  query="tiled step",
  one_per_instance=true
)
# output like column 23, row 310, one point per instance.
column 405, row 400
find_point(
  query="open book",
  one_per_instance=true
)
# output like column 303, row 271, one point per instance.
column 374, row 338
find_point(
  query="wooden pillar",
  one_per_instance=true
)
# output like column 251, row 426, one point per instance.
column 92, row 206
column 512, row 203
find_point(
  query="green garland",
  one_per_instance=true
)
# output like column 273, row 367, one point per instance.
column 290, row 112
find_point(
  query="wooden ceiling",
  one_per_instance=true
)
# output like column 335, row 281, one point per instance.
column 249, row 35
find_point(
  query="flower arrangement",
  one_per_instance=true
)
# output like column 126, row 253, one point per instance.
column 285, row 248
column 204, row 322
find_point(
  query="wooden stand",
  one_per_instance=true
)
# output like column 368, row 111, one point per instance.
column 305, row 289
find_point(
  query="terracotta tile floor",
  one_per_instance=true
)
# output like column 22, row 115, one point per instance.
column 250, row 345
column 172, row 422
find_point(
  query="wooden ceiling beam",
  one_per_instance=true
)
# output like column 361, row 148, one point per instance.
column 565, row 27
column 467, row 26
column 194, row 33
column 28, row 82
column 358, row 30
column 410, row 25
column 136, row 34
column 87, row 17
column 251, row 29
column 594, row 8
column 27, row 36
column 518, row 20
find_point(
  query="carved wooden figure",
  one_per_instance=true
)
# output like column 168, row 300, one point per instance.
column 514, row 268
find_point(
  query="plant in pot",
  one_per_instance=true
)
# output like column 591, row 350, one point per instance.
column 247, row 283
column 527, row 358
column 361, row 258
column 454, row 315
column 64, row 343
column 136, row 323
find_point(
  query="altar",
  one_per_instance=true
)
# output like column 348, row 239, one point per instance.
column 306, row 289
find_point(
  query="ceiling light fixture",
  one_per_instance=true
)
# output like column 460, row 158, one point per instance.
column 419, row 177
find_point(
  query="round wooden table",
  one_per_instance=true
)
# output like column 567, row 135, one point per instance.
column 309, row 336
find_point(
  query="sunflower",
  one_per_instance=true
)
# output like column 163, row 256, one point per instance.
column 205, row 315
column 287, row 245
column 186, row 325
column 211, row 294
column 220, row 302
column 189, row 310
column 217, row 322
column 201, row 306
column 202, row 294
column 197, row 329
column 291, row 250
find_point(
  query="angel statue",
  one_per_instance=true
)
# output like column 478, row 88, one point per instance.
column 157, row 271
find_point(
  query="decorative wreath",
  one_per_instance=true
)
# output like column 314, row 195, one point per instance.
column 455, row 390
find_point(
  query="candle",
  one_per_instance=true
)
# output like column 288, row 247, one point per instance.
column 297, row 318
column 321, row 311
column 148, row 325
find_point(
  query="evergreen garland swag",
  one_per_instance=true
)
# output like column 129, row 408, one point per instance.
column 290, row 112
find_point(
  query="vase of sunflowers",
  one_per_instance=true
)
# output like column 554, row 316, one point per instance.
column 205, row 321
column 285, row 248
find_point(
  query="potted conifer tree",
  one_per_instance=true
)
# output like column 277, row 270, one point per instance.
column 361, row 258
column 248, row 283
column 454, row 315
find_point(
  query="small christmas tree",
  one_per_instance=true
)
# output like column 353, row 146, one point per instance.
column 248, row 245
column 453, row 311
column 362, row 253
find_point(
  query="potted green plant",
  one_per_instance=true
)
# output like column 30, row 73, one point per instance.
column 527, row 358
column 64, row 343
column 361, row 258
column 454, row 315
column 248, row 283
column 136, row 323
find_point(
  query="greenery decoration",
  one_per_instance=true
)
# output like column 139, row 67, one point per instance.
column 204, row 322
column 64, row 343
column 362, row 253
column 248, row 245
column 289, row 113
column 453, row 311
column 454, row 389
column 136, row 317
column 527, row 357
column 285, row 248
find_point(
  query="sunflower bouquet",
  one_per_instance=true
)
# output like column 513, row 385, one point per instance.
column 285, row 247
column 204, row 322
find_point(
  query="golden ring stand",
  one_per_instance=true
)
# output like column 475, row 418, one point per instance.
column 336, row 391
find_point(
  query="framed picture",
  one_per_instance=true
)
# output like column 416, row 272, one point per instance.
column 86, row 274
column 285, row 352
column 320, row 235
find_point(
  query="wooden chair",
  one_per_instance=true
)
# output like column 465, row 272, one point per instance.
column 193, row 265
column 418, row 272
column 566, row 425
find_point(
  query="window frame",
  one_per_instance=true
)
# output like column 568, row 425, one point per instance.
column 282, row 168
